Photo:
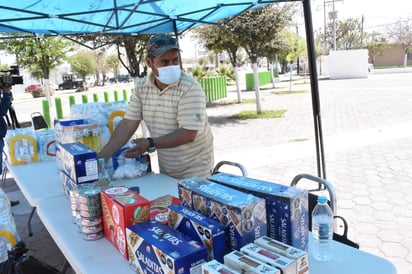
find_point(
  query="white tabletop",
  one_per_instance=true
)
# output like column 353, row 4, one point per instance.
column 42, row 187
column 37, row 181
column 350, row 260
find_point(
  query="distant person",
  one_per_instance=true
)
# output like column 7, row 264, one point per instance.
column 173, row 106
column 5, row 103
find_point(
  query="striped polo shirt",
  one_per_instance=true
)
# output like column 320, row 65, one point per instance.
column 181, row 105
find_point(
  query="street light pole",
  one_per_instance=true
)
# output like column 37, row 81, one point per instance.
column 333, row 16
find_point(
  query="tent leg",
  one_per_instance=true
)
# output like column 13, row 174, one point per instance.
column 314, row 88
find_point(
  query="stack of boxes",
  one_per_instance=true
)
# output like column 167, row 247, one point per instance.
column 242, row 214
column 286, row 207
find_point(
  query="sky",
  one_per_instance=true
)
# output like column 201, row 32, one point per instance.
column 376, row 13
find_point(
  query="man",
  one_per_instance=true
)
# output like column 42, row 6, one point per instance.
column 173, row 106
column 5, row 101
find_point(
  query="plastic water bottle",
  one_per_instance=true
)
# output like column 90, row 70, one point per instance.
column 322, row 230
column 104, row 175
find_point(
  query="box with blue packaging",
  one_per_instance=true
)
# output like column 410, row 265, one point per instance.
column 242, row 214
column 78, row 162
column 157, row 248
column 286, row 207
column 199, row 228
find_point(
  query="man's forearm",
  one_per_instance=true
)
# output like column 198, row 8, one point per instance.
column 121, row 135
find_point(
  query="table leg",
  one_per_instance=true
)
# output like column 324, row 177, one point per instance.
column 29, row 221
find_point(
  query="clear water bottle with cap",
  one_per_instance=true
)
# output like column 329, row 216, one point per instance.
column 322, row 230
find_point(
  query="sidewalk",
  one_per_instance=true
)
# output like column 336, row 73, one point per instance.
column 367, row 129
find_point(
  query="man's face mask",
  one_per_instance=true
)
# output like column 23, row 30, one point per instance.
column 168, row 75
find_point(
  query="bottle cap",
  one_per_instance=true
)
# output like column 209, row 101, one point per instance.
column 322, row 199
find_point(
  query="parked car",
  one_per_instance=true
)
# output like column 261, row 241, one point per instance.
column 121, row 79
column 32, row 87
column 68, row 84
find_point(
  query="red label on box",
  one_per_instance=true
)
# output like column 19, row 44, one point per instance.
column 121, row 208
column 159, row 208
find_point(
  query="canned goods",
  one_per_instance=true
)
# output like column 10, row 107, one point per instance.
column 89, row 221
column 91, row 229
column 91, row 212
column 92, row 236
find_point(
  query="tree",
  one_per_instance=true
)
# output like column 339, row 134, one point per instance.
column 82, row 64
column 376, row 45
column 401, row 33
column 113, row 62
column 255, row 29
column 293, row 47
column 40, row 55
column 349, row 35
column 135, row 47
column 221, row 38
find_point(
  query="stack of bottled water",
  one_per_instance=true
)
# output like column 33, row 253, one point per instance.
column 8, row 231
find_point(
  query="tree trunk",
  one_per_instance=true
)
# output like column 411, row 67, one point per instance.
column 257, row 89
column 239, row 92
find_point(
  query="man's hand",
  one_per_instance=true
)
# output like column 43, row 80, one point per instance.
column 141, row 146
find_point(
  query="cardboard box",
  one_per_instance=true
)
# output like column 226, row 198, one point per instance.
column 286, row 207
column 121, row 208
column 246, row 264
column 301, row 257
column 243, row 215
column 215, row 267
column 200, row 228
column 78, row 162
column 159, row 208
column 286, row 265
column 157, row 248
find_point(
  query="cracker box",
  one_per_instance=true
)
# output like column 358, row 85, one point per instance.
column 246, row 264
column 286, row 265
column 242, row 214
column 301, row 257
column 200, row 228
column 122, row 207
column 215, row 267
column 157, row 248
column 78, row 162
column 159, row 209
column 286, row 207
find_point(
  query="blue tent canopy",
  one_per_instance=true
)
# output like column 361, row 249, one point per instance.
column 116, row 16
column 133, row 17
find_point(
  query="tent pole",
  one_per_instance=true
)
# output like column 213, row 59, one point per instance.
column 320, row 153
column 178, row 43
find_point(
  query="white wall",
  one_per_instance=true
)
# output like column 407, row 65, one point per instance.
column 348, row 64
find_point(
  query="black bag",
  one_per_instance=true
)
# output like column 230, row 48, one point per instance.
column 19, row 262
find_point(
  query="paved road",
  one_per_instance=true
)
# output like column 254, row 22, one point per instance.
column 367, row 125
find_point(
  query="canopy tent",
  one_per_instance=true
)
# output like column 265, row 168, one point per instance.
column 134, row 17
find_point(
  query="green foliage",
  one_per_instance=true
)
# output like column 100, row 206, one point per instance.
column 257, row 29
column 349, row 35
column 82, row 64
column 226, row 71
column 39, row 55
column 376, row 45
column 249, row 114
column 113, row 62
column 198, row 72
